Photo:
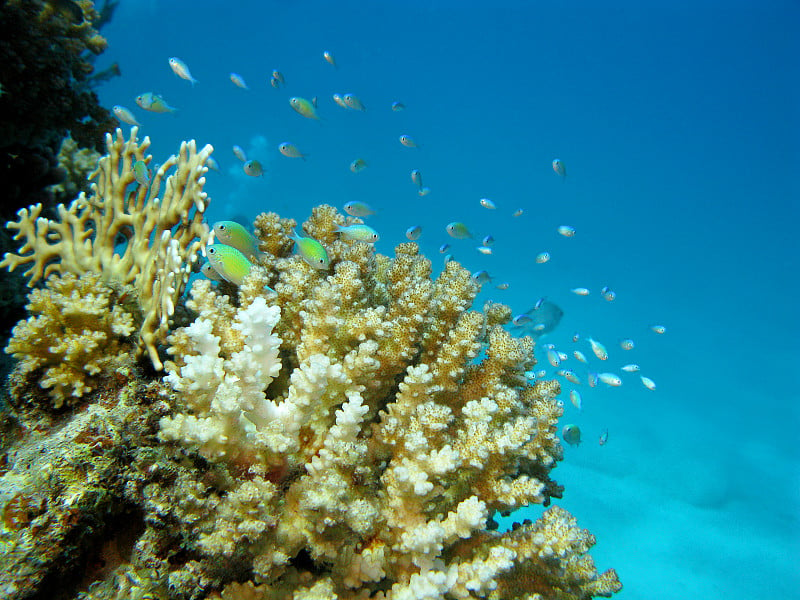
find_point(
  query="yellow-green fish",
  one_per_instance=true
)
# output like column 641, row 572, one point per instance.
column 358, row 209
column 208, row 270
column 153, row 103
column 303, row 107
column 253, row 168
column 353, row 102
column 236, row 235
column 291, row 151
column 358, row 165
column 358, row 233
column 140, row 173
column 229, row 263
column 458, row 230
column 571, row 434
column 312, row 252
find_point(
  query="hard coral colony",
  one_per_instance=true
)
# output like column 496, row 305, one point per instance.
column 334, row 438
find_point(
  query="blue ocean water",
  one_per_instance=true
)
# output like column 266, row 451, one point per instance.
column 678, row 126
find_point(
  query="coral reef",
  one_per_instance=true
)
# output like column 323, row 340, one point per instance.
column 339, row 434
column 141, row 241
column 77, row 331
column 77, row 164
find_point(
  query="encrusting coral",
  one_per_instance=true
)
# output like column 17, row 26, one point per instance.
column 340, row 434
column 125, row 232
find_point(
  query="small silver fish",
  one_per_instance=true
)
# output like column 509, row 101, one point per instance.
column 458, row 230
column 487, row 241
column 575, row 398
column 542, row 257
column 648, row 383
column 353, row 102
column 580, row 291
column 416, row 177
column 559, row 168
column 503, row 286
column 579, row 356
column 358, row 233
column 181, row 70
column 626, row 344
column 598, row 349
column 358, row 165
column 484, row 250
column 552, row 357
column 414, row 232
column 481, row 277
column 603, row 438
column 124, row 115
column 571, row 434
column 486, row 203
column 239, row 153
column 566, row 230
column 398, row 106
column 408, row 141
column 591, row 379
column 358, row 209
column 329, row 58
column 444, row 248
column 518, row 213
column 658, row 329
column 238, row 81
column 424, row 191
column 610, row 379
column 253, row 168
column 631, row 368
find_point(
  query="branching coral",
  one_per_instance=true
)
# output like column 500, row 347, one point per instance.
column 125, row 232
column 381, row 443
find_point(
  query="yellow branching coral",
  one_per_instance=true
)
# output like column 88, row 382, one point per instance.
column 379, row 423
column 77, row 332
column 125, row 231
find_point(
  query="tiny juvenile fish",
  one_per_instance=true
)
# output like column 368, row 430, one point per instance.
column 398, row 106
column 598, row 349
column 571, row 434
column 542, row 257
column 239, row 153
column 553, row 358
column 124, row 115
column 631, row 368
column 424, row 191
column 358, row 233
column 487, row 241
column 559, row 168
column 340, row 101
column 181, row 70
column 609, row 294
column 603, row 438
column 566, row 230
column 414, row 232
column 484, row 250
column 610, row 379
column 278, row 76
column 591, row 379
column 303, row 107
column 154, row 103
column 575, row 398
column 503, row 286
column 522, row 319
column 579, row 356
column 238, row 81
column 141, row 173
column 358, row 165
column 229, row 263
column 212, row 164
column 458, row 230
column 408, row 142
column 236, row 235
column 518, row 213
column 626, row 344
column 290, row 151
column 444, row 248
column 358, row 209
column 416, row 178
column 274, row 83
column 253, row 168
column 329, row 58
column 580, row 291
column 312, row 252
column 486, row 203
column 658, row 329
column 353, row 102
column 571, row 376
column 648, row 383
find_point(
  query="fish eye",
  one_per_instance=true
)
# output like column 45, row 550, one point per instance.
column 212, row 251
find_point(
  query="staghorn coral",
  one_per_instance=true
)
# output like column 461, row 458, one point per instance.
column 371, row 443
column 78, row 332
column 161, row 235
